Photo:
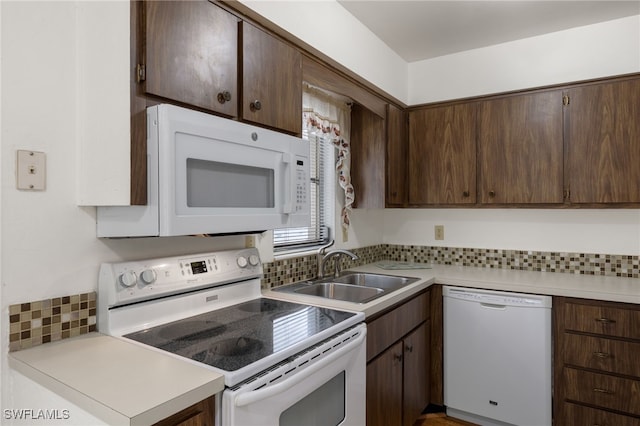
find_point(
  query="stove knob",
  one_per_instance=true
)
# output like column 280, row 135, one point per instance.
column 128, row 279
column 254, row 260
column 242, row 261
column 148, row 276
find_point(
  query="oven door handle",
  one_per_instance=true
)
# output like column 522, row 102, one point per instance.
column 251, row 397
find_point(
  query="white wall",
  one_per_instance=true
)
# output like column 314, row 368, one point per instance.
column 604, row 49
column 49, row 246
column 614, row 231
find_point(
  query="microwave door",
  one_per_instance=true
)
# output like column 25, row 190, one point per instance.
column 223, row 187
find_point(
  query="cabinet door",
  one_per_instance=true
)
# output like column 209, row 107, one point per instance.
column 271, row 81
column 367, row 158
column 397, row 148
column 416, row 373
column 604, row 143
column 191, row 54
column 384, row 388
column 442, row 155
column 199, row 414
column 520, row 149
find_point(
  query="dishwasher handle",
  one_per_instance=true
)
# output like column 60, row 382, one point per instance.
column 493, row 306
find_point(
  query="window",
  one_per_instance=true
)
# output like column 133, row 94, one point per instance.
column 323, row 115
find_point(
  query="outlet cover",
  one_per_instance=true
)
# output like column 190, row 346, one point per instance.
column 31, row 170
column 439, row 232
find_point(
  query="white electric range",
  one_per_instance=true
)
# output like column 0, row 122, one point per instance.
column 284, row 363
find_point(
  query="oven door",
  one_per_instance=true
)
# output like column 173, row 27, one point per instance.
column 325, row 386
column 221, row 176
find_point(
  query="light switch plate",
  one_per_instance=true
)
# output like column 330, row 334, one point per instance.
column 31, row 170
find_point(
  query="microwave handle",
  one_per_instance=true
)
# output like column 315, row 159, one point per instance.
column 258, row 395
column 289, row 182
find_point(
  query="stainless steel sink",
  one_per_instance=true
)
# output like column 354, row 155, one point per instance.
column 385, row 282
column 349, row 293
column 353, row 287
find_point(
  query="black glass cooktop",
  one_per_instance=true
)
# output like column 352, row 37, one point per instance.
column 234, row 337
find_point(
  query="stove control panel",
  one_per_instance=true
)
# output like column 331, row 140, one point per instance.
column 127, row 282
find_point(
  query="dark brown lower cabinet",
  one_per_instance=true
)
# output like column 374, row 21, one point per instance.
column 199, row 414
column 597, row 374
column 398, row 363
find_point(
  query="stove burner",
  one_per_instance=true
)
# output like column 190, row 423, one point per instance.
column 191, row 330
column 259, row 305
column 242, row 346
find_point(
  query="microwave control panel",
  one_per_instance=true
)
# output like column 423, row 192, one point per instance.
column 302, row 186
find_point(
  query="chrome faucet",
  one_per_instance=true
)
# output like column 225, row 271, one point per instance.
column 334, row 253
column 320, row 255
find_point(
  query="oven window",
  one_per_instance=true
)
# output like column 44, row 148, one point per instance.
column 323, row 406
column 216, row 184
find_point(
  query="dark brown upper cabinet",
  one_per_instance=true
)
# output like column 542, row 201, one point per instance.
column 368, row 169
column 397, row 159
column 191, row 55
column 603, row 122
column 271, row 81
column 442, row 155
column 520, row 149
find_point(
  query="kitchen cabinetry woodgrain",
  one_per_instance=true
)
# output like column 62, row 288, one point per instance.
column 398, row 363
column 604, row 142
column 442, row 155
column 271, row 81
column 596, row 374
column 520, row 149
column 397, row 159
column 384, row 374
column 367, row 157
column 192, row 54
column 200, row 414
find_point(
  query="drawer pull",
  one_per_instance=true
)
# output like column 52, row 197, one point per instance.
column 605, row 321
column 605, row 391
column 602, row 355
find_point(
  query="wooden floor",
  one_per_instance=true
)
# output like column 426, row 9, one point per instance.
column 439, row 419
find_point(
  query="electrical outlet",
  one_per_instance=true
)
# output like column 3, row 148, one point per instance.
column 439, row 232
column 31, row 171
column 250, row 241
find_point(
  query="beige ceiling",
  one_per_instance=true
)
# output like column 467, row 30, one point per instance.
column 422, row 29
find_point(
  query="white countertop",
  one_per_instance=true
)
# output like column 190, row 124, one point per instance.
column 119, row 382
column 547, row 283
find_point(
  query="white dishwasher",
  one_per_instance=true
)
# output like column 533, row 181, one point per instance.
column 497, row 357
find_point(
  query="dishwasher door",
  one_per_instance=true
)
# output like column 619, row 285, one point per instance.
column 497, row 357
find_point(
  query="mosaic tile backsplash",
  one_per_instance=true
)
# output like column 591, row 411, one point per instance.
column 303, row 268
column 44, row 321
column 35, row 323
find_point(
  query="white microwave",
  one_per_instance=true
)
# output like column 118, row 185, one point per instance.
column 211, row 175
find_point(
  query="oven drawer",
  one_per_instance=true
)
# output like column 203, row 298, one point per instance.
column 603, row 354
column 579, row 415
column 602, row 319
column 602, row 390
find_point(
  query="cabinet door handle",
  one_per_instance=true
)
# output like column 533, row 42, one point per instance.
column 397, row 357
column 492, row 194
column 465, row 194
column 255, row 105
column 602, row 355
column 409, row 348
column 224, row 96
column 605, row 320
column 605, row 391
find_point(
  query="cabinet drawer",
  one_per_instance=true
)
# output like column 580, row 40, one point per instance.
column 602, row 391
column 603, row 319
column 579, row 415
column 602, row 354
column 384, row 331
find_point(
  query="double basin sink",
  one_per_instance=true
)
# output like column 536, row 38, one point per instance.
column 353, row 287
